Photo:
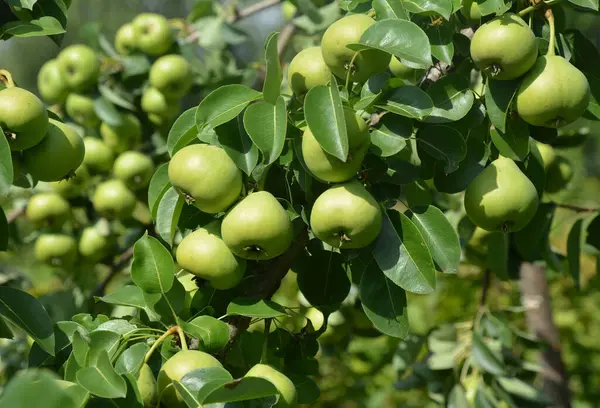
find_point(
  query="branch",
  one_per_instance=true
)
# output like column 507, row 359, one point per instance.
column 121, row 262
column 576, row 208
column 255, row 8
column 284, row 37
column 12, row 217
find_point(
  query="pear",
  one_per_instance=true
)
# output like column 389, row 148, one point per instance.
column 553, row 94
column 284, row 385
column 501, row 197
column 547, row 153
column 147, row 386
column 346, row 216
column 257, row 228
column 558, row 175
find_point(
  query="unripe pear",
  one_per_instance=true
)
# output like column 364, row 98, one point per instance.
column 124, row 137
column 134, row 169
column 52, row 83
column 284, row 385
column 147, row 386
column 505, row 48
column 93, row 245
column 346, row 216
column 307, row 70
column 399, row 70
column 72, row 186
column 23, row 118
column 501, row 197
column 125, row 41
column 547, row 153
column 98, row 156
column 80, row 65
column 153, row 34
column 558, row 175
column 172, row 75
column 56, row 250
column 81, row 109
column 553, row 94
column 48, row 209
column 114, row 200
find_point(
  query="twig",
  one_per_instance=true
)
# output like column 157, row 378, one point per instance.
column 123, row 260
column 284, row 37
column 255, row 8
column 577, row 208
column 6, row 78
column 15, row 214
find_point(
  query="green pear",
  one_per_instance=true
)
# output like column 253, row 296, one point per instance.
column 339, row 57
column 505, row 48
column 81, row 109
column 113, row 199
column 204, row 254
column 206, row 176
column 23, row 118
column 125, row 39
column 57, row 156
column 307, row 70
column 501, row 197
column 258, row 227
column 134, row 169
column 547, row 153
column 80, row 65
column 172, row 75
column 124, row 137
column 159, row 108
column 175, row 369
column 399, row 70
column 56, row 250
column 94, row 245
column 147, row 386
column 328, row 167
column 559, row 174
column 153, row 34
column 48, row 209
column 74, row 185
column 553, row 94
column 52, row 83
column 346, row 216
column 98, row 157
column 284, row 385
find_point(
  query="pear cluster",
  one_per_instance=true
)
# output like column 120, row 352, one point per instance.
column 552, row 93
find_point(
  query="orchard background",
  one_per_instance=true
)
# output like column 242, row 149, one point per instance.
column 419, row 308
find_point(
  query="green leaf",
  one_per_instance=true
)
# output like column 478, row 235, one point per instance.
column 390, row 9
column 212, row 333
column 443, row 7
column 409, row 101
column 102, row 342
column 238, row 145
column 498, row 98
column 152, row 268
column 26, row 4
column 28, row 388
column 372, row 90
column 81, row 348
column 183, row 131
column 484, row 357
column 308, row 8
column 224, row 104
column 6, row 167
column 443, row 143
column 513, row 144
column 266, row 125
column 132, row 359
column 452, row 99
column 590, row 4
column 164, row 307
column 118, row 98
column 306, row 388
column 243, row 389
column 497, row 255
column 25, row 311
column 574, row 250
column 497, row 7
column 391, row 135
column 442, row 46
column 134, row 65
column 5, row 332
column 167, row 214
column 3, row 230
column 531, row 240
column 102, row 379
column 402, row 255
column 34, row 28
column 402, row 38
column 441, row 238
column 325, row 118
column 128, row 295
column 592, row 236
column 196, row 385
column 458, row 397
column 107, row 112
column 384, row 303
column 273, row 75
column 119, row 326
column 260, row 308
column 523, row 390
column 159, row 185
column 322, row 278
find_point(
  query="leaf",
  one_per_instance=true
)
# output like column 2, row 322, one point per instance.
column 224, row 104
column 322, row 278
column 34, row 28
column 523, row 390
column 325, row 118
column 134, row 65
column 102, row 342
column 592, row 235
column 107, row 112
column 409, row 101
column 498, row 99
column 102, row 379
column 452, row 99
column 26, row 389
column 372, row 90
column 128, row 295
column 132, row 359
column 237, row 144
column 574, row 250
column 212, row 333
column 390, row 9
column 183, row 131
column 497, row 7
column 402, row 255
column 306, row 388
column 458, row 397
column 119, row 99
column 484, row 357
column 195, row 386
column 119, row 326
column 391, row 135
column 152, row 268
column 513, row 144
column 25, row 311
column 245, row 388
column 6, row 168
column 497, row 255
column 260, row 308
column 266, row 125
column 443, row 7
column 159, row 185
column 441, row 238
column 590, row 4
column 442, row 46
column 273, row 74
column 402, row 38
column 167, row 214
column 26, row 4
column 384, row 303
column 531, row 240
column 443, row 143
column 3, row 230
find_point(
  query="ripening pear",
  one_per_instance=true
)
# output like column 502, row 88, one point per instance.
column 501, row 197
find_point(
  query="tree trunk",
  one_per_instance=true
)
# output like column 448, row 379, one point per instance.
column 536, row 299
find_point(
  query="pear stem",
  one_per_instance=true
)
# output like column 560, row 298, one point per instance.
column 349, row 70
column 550, row 17
column 181, row 334
column 158, row 342
column 6, row 78
column 528, row 10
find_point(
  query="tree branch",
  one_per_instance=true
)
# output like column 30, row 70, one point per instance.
column 577, row 208
column 255, row 8
column 121, row 261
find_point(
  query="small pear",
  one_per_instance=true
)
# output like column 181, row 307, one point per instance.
column 501, row 197
column 146, row 383
column 284, row 385
column 257, row 228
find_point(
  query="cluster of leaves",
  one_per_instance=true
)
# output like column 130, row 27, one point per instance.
column 33, row 18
